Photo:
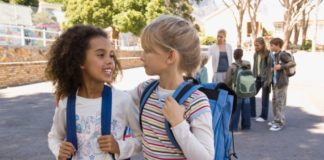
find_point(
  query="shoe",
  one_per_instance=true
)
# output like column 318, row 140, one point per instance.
column 275, row 127
column 259, row 119
column 271, row 123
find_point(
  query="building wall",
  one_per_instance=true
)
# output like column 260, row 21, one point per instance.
column 20, row 66
column 15, row 14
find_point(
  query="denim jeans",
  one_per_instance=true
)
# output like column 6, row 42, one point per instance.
column 243, row 108
column 265, row 100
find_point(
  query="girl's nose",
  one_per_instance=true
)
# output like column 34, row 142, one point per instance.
column 142, row 57
column 109, row 59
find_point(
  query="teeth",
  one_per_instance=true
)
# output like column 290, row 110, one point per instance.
column 108, row 71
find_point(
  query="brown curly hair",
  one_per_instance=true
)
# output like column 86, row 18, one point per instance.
column 67, row 54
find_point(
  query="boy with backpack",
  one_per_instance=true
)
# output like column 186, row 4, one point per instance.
column 284, row 68
column 240, row 78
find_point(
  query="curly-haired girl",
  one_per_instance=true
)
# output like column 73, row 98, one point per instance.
column 80, row 62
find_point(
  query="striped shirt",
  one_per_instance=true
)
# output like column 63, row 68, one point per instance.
column 156, row 143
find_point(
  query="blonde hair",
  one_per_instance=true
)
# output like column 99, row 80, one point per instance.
column 204, row 59
column 174, row 33
column 223, row 31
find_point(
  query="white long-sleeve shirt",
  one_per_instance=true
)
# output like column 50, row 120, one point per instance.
column 88, row 126
column 196, row 138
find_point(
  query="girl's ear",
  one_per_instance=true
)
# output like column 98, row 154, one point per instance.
column 172, row 57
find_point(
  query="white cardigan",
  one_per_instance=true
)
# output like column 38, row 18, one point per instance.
column 214, row 53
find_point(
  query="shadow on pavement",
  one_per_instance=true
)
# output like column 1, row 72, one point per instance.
column 25, row 122
column 296, row 141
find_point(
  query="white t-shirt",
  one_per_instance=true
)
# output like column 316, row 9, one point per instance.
column 88, row 126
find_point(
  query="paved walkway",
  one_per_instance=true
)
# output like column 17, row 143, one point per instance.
column 26, row 115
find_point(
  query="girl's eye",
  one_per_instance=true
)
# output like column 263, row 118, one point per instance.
column 112, row 54
column 101, row 55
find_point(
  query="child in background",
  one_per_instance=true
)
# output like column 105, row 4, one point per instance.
column 202, row 75
column 81, row 61
column 283, row 61
column 243, row 104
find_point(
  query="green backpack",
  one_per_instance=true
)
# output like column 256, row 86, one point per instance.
column 243, row 82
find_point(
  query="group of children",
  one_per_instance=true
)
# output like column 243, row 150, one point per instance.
column 270, row 68
column 83, row 67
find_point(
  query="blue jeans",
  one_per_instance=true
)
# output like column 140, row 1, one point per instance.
column 265, row 100
column 243, row 107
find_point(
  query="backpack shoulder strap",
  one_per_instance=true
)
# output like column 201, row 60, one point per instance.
column 180, row 95
column 106, row 111
column 71, row 135
column 106, row 107
column 145, row 95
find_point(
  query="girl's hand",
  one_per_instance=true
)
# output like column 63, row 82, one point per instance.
column 108, row 144
column 278, row 67
column 172, row 111
column 66, row 151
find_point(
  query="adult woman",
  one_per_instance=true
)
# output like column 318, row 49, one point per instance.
column 222, row 57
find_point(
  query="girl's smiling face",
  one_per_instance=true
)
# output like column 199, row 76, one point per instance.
column 99, row 64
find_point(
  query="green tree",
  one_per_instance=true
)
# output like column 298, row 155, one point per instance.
column 123, row 15
column 133, row 15
column 94, row 12
column 130, row 15
column 54, row 1
column 33, row 3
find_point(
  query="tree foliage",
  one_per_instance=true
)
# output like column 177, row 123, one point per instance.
column 33, row 3
column 123, row 15
column 54, row 1
column 94, row 12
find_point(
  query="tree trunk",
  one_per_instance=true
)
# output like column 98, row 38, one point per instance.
column 239, row 36
column 115, row 33
column 304, row 34
column 287, row 35
column 314, row 42
column 239, row 30
column 287, row 31
column 296, row 34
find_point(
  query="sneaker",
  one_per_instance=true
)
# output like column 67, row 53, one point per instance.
column 271, row 123
column 259, row 119
column 275, row 127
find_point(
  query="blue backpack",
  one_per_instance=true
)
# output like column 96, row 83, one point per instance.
column 106, row 106
column 221, row 99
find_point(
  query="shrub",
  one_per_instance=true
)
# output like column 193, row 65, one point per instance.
column 306, row 45
column 207, row 40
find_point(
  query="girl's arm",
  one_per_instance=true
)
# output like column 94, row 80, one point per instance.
column 195, row 139
column 131, row 146
column 57, row 133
